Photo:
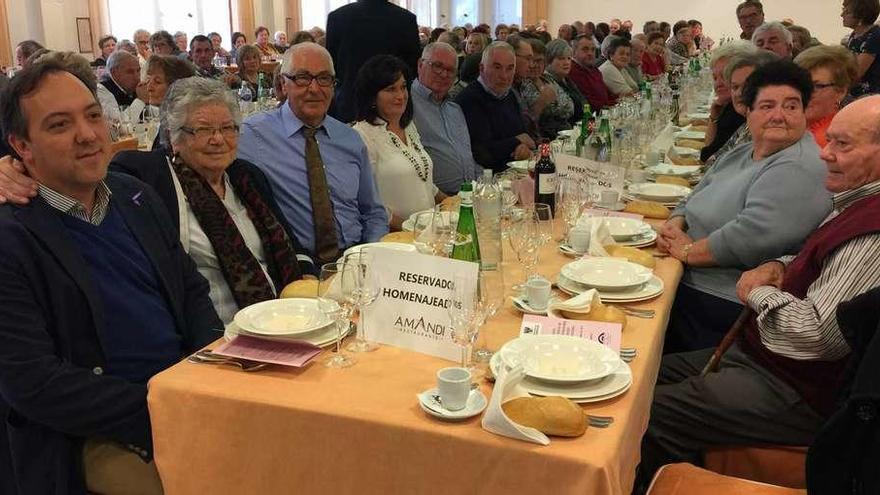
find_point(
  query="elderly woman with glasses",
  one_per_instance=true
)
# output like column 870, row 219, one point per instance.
column 403, row 170
column 759, row 202
column 834, row 70
column 224, row 208
column 548, row 104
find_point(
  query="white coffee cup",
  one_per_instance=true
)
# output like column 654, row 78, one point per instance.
column 538, row 292
column 453, row 387
column 579, row 239
column 608, row 198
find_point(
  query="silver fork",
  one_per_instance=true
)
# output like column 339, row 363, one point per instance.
column 638, row 313
column 627, row 354
column 599, row 421
column 207, row 357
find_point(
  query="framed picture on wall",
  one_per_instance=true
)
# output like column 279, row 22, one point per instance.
column 84, row 33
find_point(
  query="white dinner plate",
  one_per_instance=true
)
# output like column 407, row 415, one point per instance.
column 606, row 388
column 663, row 193
column 282, row 317
column 607, row 274
column 520, row 165
column 620, row 228
column 324, row 337
column 629, row 197
column 569, row 133
column 698, row 116
column 409, row 224
column 684, row 151
column 560, row 358
column 395, row 246
column 673, row 170
column 697, row 135
column 646, row 239
column 649, row 290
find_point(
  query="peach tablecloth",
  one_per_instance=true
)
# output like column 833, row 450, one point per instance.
column 218, row 430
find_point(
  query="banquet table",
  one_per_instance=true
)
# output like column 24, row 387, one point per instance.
column 219, row 430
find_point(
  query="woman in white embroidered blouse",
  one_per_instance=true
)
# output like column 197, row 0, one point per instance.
column 402, row 168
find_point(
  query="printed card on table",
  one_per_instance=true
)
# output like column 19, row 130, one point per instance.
column 599, row 331
column 293, row 353
column 602, row 176
column 410, row 311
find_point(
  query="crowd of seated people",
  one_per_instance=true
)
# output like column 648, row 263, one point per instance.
column 225, row 211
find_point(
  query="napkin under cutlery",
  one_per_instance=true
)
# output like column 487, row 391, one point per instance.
column 495, row 421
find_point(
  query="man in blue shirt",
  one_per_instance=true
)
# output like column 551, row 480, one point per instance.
column 277, row 142
column 440, row 121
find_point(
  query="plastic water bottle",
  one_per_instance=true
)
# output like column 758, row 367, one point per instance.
column 245, row 99
column 488, row 206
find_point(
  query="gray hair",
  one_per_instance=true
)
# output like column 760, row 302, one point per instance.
column 140, row 31
column 773, row 26
column 494, row 47
column 755, row 59
column 557, row 48
column 733, row 49
column 430, row 48
column 287, row 60
column 118, row 57
column 186, row 95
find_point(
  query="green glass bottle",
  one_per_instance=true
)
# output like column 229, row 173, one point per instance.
column 466, row 246
column 602, row 143
column 262, row 91
column 581, row 140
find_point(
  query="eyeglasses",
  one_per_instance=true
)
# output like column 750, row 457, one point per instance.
column 529, row 60
column 303, row 79
column 205, row 133
column 818, row 86
column 439, row 69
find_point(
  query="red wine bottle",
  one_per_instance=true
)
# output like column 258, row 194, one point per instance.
column 545, row 178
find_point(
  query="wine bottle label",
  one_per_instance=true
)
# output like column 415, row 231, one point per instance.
column 467, row 198
column 546, row 183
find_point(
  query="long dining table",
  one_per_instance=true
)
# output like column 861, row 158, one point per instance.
column 219, row 430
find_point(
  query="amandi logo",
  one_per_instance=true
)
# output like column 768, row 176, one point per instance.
column 420, row 327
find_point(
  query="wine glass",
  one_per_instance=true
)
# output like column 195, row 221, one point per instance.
column 464, row 315
column 525, row 241
column 335, row 303
column 432, row 232
column 362, row 287
column 544, row 217
column 569, row 203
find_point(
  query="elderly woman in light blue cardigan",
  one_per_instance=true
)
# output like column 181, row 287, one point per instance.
column 760, row 201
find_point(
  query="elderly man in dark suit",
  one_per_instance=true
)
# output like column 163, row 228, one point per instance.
column 358, row 31
column 122, row 77
column 97, row 297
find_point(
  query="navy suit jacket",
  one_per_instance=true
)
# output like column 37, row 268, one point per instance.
column 53, row 393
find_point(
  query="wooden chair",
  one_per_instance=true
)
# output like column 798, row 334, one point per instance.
column 687, row 479
column 776, row 465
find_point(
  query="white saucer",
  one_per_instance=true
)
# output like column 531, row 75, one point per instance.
column 476, row 403
column 522, row 305
column 651, row 289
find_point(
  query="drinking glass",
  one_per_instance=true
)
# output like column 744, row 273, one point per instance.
column 362, row 287
column 336, row 304
column 569, row 203
column 491, row 299
column 525, row 241
column 433, row 233
column 544, row 218
column 465, row 314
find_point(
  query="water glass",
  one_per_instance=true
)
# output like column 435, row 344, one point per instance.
column 465, row 314
column 362, row 288
column 336, row 304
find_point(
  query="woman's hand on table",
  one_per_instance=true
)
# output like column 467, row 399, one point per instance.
column 770, row 273
column 677, row 245
column 15, row 186
column 671, row 229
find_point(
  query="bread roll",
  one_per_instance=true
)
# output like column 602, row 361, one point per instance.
column 648, row 209
column 699, row 127
column 669, row 179
column 555, row 416
column 300, row 288
column 631, row 254
column 690, row 143
column 683, row 160
column 404, row 237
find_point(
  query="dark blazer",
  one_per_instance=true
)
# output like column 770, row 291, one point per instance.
column 493, row 125
column 53, row 393
column 358, row 31
column 151, row 167
column 122, row 98
column 845, row 455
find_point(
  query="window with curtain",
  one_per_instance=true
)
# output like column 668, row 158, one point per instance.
column 190, row 16
column 508, row 12
column 314, row 12
column 425, row 11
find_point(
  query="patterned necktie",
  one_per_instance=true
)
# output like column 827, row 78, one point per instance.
column 326, row 244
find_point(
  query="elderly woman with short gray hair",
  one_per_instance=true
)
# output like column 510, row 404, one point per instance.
column 224, row 208
column 558, row 57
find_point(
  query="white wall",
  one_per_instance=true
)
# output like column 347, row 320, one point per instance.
column 52, row 23
column 28, row 21
column 821, row 17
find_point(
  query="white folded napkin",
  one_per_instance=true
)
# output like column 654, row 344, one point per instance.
column 495, row 421
column 578, row 304
column 599, row 235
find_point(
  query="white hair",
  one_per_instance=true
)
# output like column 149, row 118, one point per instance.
column 287, row 60
column 117, row 57
column 189, row 94
column 773, row 26
column 494, row 47
column 430, row 48
column 278, row 35
column 729, row 50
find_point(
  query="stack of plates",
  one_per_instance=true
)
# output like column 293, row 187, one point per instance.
column 396, row 246
column 284, row 319
column 667, row 194
column 673, row 170
column 519, row 165
column 695, row 135
column 625, row 231
column 615, row 280
column 409, row 224
column 572, row 367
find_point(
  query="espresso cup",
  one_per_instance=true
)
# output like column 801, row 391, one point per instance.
column 538, row 293
column 579, row 239
column 453, row 387
column 609, row 199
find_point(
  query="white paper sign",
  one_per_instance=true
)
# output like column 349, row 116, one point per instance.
column 410, row 311
column 602, row 176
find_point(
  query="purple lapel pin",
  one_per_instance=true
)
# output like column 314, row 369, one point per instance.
column 136, row 199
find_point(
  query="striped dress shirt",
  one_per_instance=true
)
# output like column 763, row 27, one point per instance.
column 806, row 329
column 74, row 208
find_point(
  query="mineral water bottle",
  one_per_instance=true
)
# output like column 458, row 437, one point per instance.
column 487, row 207
column 466, row 245
column 245, row 99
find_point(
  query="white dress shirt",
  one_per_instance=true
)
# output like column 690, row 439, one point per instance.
column 396, row 168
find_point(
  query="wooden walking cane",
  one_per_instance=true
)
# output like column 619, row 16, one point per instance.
column 728, row 340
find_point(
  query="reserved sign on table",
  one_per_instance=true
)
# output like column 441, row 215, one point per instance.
column 605, row 333
column 602, row 176
column 410, row 311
